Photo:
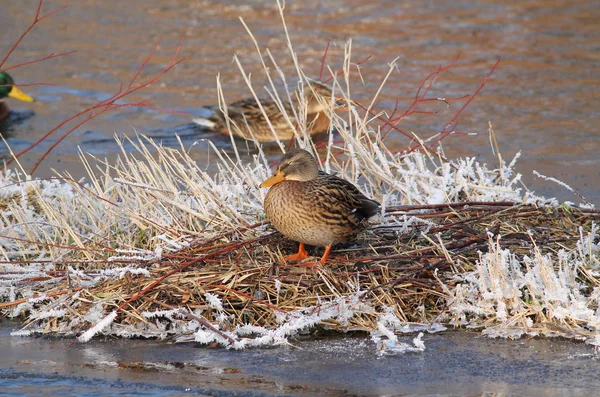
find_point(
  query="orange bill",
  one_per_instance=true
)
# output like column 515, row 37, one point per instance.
column 16, row 93
column 278, row 177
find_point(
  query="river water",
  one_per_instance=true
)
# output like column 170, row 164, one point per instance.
column 542, row 100
column 453, row 364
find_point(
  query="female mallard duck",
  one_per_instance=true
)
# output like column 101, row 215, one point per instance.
column 8, row 89
column 313, row 207
column 247, row 119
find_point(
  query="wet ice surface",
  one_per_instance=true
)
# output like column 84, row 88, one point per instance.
column 454, row 363
column 21, row 383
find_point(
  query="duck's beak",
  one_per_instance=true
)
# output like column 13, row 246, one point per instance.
column 16, row 93
column 278, row 177
column 343, row 104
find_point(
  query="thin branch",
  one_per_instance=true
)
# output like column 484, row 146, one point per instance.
column 36, row 19
column 105, row 105
column 51, row 56
column 323, row 60
column 451, row 125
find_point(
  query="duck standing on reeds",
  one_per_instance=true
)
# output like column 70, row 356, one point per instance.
column 247, row 119
column 8, row 89
column 313, row 207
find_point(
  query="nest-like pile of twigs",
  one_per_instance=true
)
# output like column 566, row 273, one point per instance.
column 405, row 270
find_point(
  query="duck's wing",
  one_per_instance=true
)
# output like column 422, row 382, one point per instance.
column 368, row 207
column 338, row 196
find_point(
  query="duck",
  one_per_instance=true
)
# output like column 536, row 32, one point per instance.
column 247, row 119
column 8, row 89
column 312, row 207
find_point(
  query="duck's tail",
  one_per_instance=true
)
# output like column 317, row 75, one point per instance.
column 208, row 118
column 206, row 123
column 369, row 207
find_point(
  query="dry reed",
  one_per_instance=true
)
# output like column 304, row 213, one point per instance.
column 154, row 246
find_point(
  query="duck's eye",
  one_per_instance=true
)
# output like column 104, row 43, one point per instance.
column 286, row 165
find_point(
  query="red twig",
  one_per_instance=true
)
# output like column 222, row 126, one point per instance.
column 90, row 116
column 105, row 105
column 188, row 264
column 445, row 206
column 36, row 19
column 420, row 96
column 109, row 104
column 323, row 60
column 477, row 91
column 51, row 295
column 451, row 125
column 51, row 56
column 207, row 324
column 249, row 297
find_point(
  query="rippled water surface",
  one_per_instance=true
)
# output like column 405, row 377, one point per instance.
column 542, row 99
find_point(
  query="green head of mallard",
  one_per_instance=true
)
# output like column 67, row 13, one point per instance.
column 8, row 89
column 295, row 165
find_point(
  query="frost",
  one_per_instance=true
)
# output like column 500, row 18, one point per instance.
column 99, row 327
column 129, row 223
column 277, row 285
column 170, row 314
column 418, row 342
column 214, row 301
column 120, row 272
column 23, row 332
column 54, row 313
column 522, row 295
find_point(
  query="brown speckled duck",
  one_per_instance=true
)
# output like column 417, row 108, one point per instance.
column 8, row 89
column 246, row 113
column 313, row 207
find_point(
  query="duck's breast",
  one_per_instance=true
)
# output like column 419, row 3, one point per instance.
column 300, row 212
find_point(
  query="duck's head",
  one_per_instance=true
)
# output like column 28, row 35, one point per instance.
column 295, row 165
column 320, row 105
column 8, row 89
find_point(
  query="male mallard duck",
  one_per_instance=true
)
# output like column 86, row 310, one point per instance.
column 313, row 207
column 246, row 113
column 8, row 89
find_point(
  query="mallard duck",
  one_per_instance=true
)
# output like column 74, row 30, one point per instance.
column 8, row 89
column 313, row 207
column 246, row 113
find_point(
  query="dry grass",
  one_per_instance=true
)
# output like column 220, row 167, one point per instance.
column 154, row 246
column 170, row 250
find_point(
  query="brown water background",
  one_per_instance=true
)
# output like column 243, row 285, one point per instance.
column 542, row 100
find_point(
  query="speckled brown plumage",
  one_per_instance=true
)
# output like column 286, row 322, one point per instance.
column 313, row 207
column 246, row 113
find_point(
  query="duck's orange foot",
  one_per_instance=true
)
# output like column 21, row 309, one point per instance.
column 301, row 255
column 325, row 255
